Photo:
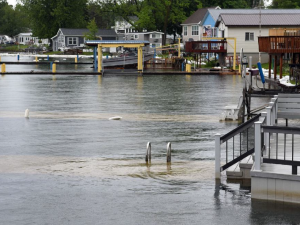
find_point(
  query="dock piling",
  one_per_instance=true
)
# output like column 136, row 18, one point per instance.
column 169, row 152
column 54, row 68
column 3, row 67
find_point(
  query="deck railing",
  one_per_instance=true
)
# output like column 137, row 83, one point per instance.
column 284, row 155
column 261, row 140
column 279, row 44
column 241, row 146
column 206, row 46
column 276, row 153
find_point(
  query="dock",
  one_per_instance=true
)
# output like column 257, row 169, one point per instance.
column 118, row 73
column 272, row 141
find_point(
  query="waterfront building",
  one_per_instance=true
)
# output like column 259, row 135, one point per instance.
column 219, row 22
column 245, row 28
column 68, row 38
column 154, row 37
column 123, row 27
column 28, row 39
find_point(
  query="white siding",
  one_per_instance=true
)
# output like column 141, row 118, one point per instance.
column 248, row 46
column 189, row 34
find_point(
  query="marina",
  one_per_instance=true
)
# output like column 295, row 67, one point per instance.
column 149, row 112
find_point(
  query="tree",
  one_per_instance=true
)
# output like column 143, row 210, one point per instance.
column 103, row 15
column 93, row 29
column 13, row 20
column 48, row 16
column 285, row 4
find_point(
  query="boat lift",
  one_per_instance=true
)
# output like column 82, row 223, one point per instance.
column 100, row 44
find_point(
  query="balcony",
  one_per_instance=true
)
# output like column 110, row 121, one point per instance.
column 206, row 46
column 279, row 44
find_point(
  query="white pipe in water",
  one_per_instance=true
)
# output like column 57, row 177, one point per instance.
column 26, row 113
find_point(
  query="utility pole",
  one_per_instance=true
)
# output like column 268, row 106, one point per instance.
column 259, row 56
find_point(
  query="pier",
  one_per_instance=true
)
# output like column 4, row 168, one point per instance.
column 274, row 149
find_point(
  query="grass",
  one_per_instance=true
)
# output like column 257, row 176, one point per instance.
column 13, row 47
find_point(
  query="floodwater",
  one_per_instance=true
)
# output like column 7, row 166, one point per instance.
column 69, row 164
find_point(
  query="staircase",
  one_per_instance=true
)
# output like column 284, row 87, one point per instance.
column 240, row 170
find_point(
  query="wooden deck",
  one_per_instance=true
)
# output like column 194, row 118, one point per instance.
column 279, row 44
column 206, row 46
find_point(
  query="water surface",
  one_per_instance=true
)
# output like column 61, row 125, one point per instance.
column 69, row 164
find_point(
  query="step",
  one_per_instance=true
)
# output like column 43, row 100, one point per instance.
column 234, row 171
column 247, row 163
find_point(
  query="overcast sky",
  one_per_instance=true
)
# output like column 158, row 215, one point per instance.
column 14, row 2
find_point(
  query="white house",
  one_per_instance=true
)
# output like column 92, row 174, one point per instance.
column 154, row 37
column 28, row 39
column 192, row 28
column 123, row 27
column 245, row 28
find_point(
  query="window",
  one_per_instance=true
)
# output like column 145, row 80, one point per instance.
column 136, row 36
column 155, row 36
column 185, row 31
column 72, row 41
column 195, row 30
column 249, row 36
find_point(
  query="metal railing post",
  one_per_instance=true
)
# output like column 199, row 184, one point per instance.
column 272, row 105
column 276, row 107
column 257, row 145
column 269, row 108
column 266, row 135
column 217, row 156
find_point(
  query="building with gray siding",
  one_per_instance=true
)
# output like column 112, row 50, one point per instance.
column 73, row 38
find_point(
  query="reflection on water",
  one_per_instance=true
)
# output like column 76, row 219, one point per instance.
column 69, row 164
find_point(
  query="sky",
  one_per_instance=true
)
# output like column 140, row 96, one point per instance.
column 14, row 2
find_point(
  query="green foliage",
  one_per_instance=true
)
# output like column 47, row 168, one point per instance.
column 48, row 16
column 102, row 13
column 93, row 29
column 13, row 20
column 285, row 4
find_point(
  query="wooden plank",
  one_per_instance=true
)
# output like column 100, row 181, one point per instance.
column 289, row 100
column 285, row 105
column 283, row 95
column 289, row 110
column 288, row 115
